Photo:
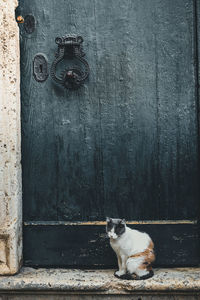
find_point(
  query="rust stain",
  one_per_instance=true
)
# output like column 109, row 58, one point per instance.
column 20, row 19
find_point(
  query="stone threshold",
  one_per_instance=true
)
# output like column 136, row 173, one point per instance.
column 179, row 280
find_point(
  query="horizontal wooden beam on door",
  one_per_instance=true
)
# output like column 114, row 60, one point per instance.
column 159, row 222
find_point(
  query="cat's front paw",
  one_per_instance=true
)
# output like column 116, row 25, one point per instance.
column 118, row 274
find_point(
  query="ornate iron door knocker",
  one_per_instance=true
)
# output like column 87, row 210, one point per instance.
column 70, row 47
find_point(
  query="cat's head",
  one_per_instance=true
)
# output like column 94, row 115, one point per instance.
column 115, row 227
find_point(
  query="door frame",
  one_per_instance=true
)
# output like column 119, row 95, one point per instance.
column 10, row 132
column 10, row 142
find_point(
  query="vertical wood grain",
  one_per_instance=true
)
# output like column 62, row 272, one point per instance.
column 126, row 143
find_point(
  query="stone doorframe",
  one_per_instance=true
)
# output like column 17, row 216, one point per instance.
column 10, row 142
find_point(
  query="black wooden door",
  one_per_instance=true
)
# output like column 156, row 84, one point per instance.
column 123, row 145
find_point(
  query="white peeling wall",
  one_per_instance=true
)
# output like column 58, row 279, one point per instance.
column 10, row 142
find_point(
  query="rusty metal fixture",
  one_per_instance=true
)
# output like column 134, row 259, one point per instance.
column 70, row 47
column 20, row 19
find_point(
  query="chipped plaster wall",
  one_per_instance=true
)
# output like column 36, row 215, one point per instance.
column 10, row 143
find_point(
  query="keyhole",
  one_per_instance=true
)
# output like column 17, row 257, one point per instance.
column 41, row 68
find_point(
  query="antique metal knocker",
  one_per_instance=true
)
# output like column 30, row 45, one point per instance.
column 70, row 47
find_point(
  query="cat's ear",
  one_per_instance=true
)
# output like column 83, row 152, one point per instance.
column 108, row 219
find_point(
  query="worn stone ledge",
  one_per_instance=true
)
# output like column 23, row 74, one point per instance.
column 179, row 280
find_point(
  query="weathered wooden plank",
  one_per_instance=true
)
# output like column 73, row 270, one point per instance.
column 197, row 40
column 100, row 223
column 126, row 142
column 87, row 246
column 61, row 140
column 197, row 55
column 147, row 96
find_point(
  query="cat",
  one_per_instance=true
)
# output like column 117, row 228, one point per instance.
column 134, row 250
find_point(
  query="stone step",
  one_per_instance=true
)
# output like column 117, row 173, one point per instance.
column 74, row 284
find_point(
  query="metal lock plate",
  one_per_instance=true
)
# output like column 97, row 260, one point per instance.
column 29, row 24
column 40, row 68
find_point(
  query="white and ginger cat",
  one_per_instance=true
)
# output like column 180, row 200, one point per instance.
column 134, row 250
